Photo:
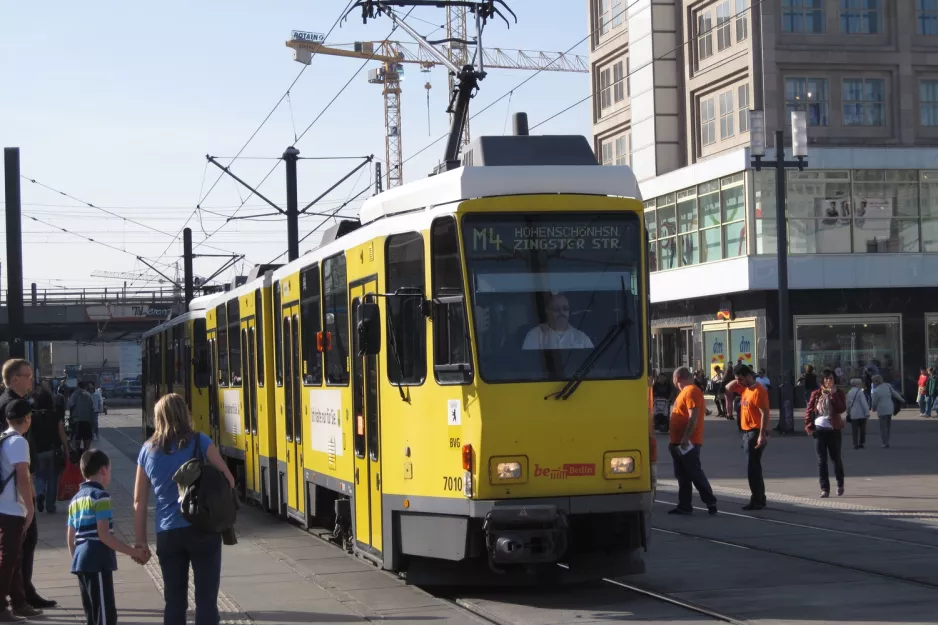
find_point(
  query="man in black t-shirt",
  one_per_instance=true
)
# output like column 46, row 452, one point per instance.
column 47, row 440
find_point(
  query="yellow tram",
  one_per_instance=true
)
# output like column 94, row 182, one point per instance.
column 457, row 381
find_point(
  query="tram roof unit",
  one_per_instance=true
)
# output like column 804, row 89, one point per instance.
column 502, row 166
column 250, row 286
column 192, row 314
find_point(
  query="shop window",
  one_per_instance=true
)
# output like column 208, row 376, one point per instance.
column 928, row 101
column 861, row 17
column 335, row 314
column 803, row 16
column 667, row 233
column 407, row 325
column 452, row 360
column 926, row 17
column 311, row 327
column 850, row 346
column 742, row 20
column 931, row 331
column 809, row 95
column 864, row 101
column 733, row 201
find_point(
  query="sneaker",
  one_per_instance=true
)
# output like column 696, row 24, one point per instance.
column 753, row 506
column 885, row 445
column 8, row 617
column 27, row 611
column 40, row 502
column 840, row 491
column 825, row 494
column 712, row 510
column 40, row 602
column 680, row 511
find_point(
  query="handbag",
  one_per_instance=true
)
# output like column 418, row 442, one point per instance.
column 69, row 482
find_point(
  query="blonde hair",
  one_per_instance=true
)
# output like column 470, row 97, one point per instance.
column 11, row 369
column 172, row 424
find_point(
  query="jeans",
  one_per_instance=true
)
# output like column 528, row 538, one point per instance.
column 885, row 427
column 94, row 425
column 29, row 558
column 858, row 429
column 720, row 400
column 47, row 478
column 176, row 550
column 829, row 443
column 11, row 565
column 754, row 467
column 922, row 401
column 688, row 473
column 929, row 404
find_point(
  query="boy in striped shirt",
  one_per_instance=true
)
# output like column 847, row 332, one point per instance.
column 91, row 540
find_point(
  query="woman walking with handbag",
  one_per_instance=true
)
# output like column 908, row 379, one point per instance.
column 858, row 412
column 178, row 544
column 882, row 407
column 824, row 421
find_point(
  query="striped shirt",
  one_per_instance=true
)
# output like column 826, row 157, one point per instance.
column 89, row 505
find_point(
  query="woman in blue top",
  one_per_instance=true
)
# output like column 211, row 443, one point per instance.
column 178, row 544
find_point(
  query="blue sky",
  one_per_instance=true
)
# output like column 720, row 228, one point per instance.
column 117, row 103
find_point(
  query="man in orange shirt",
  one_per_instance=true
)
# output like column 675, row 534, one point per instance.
column 754, row 424
column 686, row 432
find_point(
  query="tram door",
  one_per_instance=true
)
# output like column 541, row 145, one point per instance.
column 249, row 366
column 367, row 433
column 293, row 416
column 212, row 338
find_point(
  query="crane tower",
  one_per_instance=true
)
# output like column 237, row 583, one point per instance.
column 393, row 55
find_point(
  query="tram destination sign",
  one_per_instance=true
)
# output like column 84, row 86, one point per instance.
column 302, row 35
column 545, row 237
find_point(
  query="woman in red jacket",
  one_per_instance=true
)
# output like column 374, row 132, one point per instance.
column 824, row 419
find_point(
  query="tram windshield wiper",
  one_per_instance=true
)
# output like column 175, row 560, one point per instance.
column 580, row 374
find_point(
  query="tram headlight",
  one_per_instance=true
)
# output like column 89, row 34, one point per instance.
column 618, row 465
column 507, row 470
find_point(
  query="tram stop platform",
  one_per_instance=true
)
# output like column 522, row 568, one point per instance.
column 280, row 574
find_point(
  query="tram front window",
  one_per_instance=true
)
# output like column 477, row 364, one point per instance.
column 548, row 290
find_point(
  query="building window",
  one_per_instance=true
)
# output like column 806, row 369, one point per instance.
column 727, row 113
column 625, row 78
column 622, row 153
column 810, row 95
column 928, row 101
column 724, row 34
column 803, row 16
column 742, row 20
column 618, row 13
column 926, row 15
column 604, row 17
column 733, row 206
column 618, row 88
column 743, row 92
column 407, row 326
column 864, row 102
column 607, row 152
column 707, row 122
column 605, row 84
column 704, row 36
column 861, row 17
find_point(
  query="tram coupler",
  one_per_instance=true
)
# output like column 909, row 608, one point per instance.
column 525, row 535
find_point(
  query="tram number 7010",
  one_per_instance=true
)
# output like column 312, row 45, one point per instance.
column 452, row 483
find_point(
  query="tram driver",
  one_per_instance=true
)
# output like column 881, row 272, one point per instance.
column 556, row 333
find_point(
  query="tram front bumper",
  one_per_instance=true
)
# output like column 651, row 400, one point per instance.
column 525, row 534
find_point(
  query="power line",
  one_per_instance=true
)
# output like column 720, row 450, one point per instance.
column 691, row 40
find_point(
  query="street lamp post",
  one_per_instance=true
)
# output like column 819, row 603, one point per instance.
column 799, row 149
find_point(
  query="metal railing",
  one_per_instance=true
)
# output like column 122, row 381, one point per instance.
column 121, row 295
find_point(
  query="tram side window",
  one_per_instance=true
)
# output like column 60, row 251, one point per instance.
column 221, row 321
column 234, row 341
column 153, row 360
column 259, row 324
column 168, row 360
column 179, row 345
column 335, row 309
column 278, row 343
column 200, row 354
column 407, row 334
column 452, row 360
column 311, row 326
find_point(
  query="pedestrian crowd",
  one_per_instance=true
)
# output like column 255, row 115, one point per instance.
column 742, row 395
column 34, row 448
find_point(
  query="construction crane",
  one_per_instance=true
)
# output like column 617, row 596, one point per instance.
column 394, row 55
